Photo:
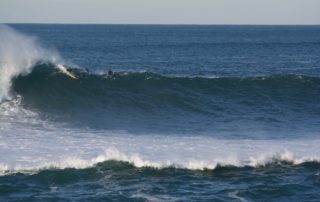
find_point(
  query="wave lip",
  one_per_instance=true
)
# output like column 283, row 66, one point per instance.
column 135, row 160
column 19, row 53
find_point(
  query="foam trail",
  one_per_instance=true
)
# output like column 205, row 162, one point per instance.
column 18, row 54
column 31, row 149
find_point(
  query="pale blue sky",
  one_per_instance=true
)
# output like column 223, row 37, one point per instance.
column 161, row 11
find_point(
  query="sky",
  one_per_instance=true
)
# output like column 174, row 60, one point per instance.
column 161, row 11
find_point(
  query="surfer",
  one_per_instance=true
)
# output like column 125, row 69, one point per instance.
column 73, row 70
column 110, row 73
column 67, row 71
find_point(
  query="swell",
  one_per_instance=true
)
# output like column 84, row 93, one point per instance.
column 128, row 97
column 47, row 81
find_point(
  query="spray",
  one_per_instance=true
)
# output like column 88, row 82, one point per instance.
column 18, row 55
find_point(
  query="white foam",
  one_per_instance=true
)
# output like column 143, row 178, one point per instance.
column 27, row 148
column 18, row 54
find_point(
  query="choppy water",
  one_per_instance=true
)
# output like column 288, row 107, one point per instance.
column 192, row 113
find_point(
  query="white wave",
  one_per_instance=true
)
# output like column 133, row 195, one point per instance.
column 192, row 164
column 18, row 54
column 138, row 161
column 50, row 146
column 12, row 108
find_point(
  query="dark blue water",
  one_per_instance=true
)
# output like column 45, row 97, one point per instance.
column 192, row 113
column 186, row 50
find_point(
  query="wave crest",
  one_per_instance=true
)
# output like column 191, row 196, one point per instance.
column 18, row 55
column 112, row 154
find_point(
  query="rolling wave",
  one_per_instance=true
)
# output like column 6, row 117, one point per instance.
column 113, row 156
column 103, row 100
column 134, row 88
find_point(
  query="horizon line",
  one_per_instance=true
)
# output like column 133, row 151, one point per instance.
column 194, row 24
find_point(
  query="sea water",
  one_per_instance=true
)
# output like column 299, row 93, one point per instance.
column 191, row 113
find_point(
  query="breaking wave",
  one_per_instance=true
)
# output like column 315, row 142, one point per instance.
column 112, row 154
column 188, row 92
column 19, row 53
column 52, row 147
column 268, row 99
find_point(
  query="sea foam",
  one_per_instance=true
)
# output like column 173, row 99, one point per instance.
column 18, row 55
column 65, row 148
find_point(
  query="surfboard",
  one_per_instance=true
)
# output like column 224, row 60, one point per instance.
column 66, row 72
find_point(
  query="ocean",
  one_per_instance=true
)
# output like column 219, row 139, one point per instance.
column 191, row 113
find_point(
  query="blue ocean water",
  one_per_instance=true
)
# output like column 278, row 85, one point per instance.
column 191, row 113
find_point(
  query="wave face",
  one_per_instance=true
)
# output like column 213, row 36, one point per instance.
column 192, row 113
column 133, row 100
